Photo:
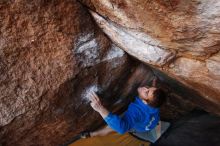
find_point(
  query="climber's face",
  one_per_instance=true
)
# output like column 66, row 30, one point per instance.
column 146, row 93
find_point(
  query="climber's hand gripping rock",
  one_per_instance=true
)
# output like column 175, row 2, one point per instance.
column 97, row 105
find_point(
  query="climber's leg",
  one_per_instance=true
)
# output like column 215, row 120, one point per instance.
column 102, row 132
column 153, row 134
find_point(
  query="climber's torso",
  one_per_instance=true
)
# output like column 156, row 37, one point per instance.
column 139, row 117
column 147, row 116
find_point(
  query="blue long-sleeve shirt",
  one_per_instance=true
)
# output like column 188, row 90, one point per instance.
column 139, row 117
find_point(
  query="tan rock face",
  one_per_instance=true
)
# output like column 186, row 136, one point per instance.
column 181, row 38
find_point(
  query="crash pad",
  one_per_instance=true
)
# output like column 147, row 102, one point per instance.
column 112, row 139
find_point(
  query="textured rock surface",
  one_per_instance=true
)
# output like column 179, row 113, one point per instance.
column 51, row 54
column 182, row 38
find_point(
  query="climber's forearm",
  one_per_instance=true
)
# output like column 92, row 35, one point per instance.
column 103, row 112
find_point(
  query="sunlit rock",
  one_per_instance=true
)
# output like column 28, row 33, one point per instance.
column 181, row 38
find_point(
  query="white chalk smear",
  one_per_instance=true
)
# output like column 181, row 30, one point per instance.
column 88, row 90
column 85, row 37
column 88, row 48
column 88, row 45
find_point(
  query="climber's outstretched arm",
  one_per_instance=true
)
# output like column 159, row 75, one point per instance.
column 117, row 123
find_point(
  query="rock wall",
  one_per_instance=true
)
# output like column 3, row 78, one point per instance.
column 181, row 38
column 51, row 54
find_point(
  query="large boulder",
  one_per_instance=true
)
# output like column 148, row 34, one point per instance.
column 51, row 55
column 181, row 38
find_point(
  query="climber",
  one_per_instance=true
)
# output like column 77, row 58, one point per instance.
column 141, row 116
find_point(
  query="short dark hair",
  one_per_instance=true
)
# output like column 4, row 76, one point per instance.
column 159, row 98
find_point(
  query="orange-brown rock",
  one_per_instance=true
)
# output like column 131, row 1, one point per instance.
column 51, row 54
column 181, row 38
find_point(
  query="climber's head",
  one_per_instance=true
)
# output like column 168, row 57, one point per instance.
column 155, row 97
